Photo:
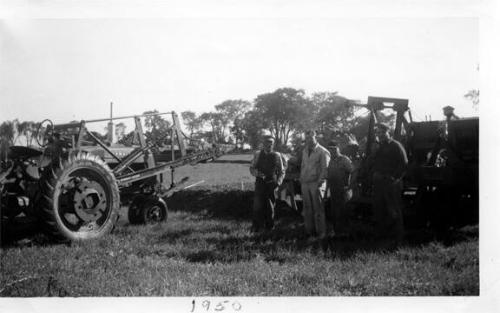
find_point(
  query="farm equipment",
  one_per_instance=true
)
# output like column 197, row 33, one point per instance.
column 441, row 186
column 74, row 184
column 444, row 166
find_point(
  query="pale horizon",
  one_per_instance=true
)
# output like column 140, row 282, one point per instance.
column 71, row 69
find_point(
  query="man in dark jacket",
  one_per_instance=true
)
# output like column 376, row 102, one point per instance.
column 267, row 166
column 389, row 166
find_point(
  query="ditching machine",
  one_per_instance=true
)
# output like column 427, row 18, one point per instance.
column 441, row 186
column 74, row 184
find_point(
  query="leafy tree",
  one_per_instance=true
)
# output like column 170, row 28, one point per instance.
column 28, row 129
column 473, row 95
column 4, row 149
column 284, row 111
column 231, row 110
column 38, row 133
column 333, row 112
column 251, row 126
column 214, row 119
column 204, row 137
column 7, row 130
column 155, row 122
column 156, row 126
column 238, row 132
column 18, row 129
column 120, row 129
column 128, row 139
column 192, row 122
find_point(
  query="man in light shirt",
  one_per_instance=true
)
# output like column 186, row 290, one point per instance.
column 313, row 175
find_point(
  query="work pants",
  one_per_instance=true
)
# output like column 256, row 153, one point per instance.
column 387, row 205
column 313, row 209
column 338, row 210
column 263, row 205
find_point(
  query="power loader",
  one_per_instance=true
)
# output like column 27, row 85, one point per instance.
column 73, row 184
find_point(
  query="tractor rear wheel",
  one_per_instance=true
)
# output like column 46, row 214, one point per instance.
column 80, row 198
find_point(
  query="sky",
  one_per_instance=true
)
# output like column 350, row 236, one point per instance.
column 71, row 69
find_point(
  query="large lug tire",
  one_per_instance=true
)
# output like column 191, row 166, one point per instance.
column 147, row 210
column 80, row 198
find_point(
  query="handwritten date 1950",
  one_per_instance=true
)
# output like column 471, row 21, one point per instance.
column 209, row 306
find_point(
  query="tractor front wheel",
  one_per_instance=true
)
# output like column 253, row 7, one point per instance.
column 147, row 210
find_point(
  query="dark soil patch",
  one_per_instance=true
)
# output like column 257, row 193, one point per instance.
column 219, row 204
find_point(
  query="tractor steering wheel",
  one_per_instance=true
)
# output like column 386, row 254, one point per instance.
column 44, row 133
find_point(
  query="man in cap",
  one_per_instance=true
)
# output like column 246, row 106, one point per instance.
column 313, row 175
column 389, row 166
column 339, row 180
column 269, row 170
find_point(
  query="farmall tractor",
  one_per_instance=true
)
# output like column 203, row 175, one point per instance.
column 74, row 184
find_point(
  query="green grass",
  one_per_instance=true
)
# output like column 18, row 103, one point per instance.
column 206, row 249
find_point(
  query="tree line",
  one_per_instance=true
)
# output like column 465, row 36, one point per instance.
column 14, row 131
column 285, row 113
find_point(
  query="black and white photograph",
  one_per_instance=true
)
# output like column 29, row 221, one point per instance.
column 259, row 156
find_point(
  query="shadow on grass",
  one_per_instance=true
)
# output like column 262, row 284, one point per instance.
column 229, row 204
column 222, row 203
column 21, row 232
column 219, row 202
column 282, row 244
column 173, row 236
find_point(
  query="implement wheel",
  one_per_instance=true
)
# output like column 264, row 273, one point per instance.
column 147, row 210
column 80, row 198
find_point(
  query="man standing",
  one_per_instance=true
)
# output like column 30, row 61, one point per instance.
column 389, row 166
column 268, row 168
column 313, row 174
column 339, row 180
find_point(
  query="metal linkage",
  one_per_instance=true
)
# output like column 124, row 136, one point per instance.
column 168, row 166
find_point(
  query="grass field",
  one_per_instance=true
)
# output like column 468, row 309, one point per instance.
column 206, row 249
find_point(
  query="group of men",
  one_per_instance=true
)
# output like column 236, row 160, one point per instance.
column 325, row 169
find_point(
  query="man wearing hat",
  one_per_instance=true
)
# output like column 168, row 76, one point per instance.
column 313, row 175
column 269, row 170
column 389, row 166
column 339, row 180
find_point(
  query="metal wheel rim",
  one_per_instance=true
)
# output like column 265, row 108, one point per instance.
column 154, row 214
column 66, row 207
